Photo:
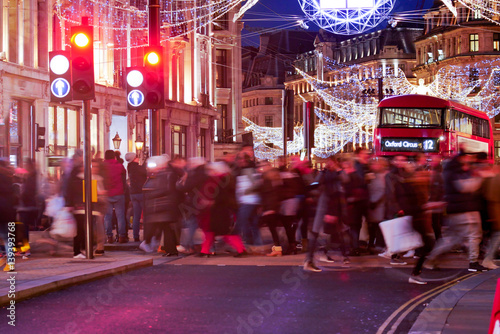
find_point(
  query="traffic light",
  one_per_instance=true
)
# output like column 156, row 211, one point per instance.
column 39, row 135
column 82, row 55
column 60, row 76
column 153, row 78
column 136, row 91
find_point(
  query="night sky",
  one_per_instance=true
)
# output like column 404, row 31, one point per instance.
column 284, row 13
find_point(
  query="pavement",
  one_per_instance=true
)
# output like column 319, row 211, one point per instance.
column 462, row 306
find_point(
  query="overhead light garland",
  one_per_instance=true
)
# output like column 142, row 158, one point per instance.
column 350, row 116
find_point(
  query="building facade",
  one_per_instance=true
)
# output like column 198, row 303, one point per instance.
column 201, row 50
column 371, row 56
column 468, row 41
column 264, row 73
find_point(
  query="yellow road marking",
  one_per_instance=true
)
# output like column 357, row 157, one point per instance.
column 417, row 299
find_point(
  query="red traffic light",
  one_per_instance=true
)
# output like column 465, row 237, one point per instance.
column 153, row 78
column 82, row 54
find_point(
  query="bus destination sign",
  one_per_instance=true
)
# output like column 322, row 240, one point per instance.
column 410, row 144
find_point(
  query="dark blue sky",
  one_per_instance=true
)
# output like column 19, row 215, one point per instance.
column 283, row 13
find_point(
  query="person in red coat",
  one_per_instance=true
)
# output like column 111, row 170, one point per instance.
column 116, row 197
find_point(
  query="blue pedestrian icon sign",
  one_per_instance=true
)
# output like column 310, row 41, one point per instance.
column 135, row 98
column 60, row 87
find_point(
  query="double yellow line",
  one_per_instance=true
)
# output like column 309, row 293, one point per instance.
column 413, row 303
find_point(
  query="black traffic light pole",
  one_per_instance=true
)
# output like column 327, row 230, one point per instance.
column 154, row 40
column 87, row 172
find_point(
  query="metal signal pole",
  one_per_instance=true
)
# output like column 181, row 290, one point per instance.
column 87, row 172
column 153, row 114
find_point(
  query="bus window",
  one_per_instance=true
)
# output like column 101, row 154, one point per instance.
column 411, row 117
column 447, row 121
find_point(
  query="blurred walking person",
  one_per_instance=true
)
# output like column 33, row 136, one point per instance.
column 270, row 193
column 137, row 175
column 461, row 189
column 162, row 203
column 191, row 184
column 218, row 216
column 7, row 212
column 116, row 197
column 247, row 182
column 330, row 214
column 376, row 210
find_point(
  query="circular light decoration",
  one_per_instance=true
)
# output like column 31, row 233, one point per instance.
column 347, row 17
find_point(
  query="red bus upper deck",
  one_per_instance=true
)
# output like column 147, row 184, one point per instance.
column 408, row 124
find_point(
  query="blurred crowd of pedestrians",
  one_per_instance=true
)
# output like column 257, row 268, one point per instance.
column 452, row 203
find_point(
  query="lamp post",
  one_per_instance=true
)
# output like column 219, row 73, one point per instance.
column 117, row 141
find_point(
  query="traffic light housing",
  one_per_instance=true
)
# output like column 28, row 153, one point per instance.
column 82, row 64
column 60, row 76
column 153, row 78
column 40, row 137
column 136, row 92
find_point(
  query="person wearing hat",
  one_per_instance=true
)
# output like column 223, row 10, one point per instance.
column 137, row 175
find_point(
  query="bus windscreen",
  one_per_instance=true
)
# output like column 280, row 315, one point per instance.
column 410, row 117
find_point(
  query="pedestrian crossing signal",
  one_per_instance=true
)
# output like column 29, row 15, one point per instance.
column 135, row 88
column 60, row 76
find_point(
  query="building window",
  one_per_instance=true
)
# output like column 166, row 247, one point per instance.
column 179, row 141
column 477, row 14
column 474, row 42
column 221, row 74
column 269, row 121
column 222, row 23
column 268, row 101
column 497, row 148
column 473, row 79
column 496, row 42
column 202, row 145
column 224, row 131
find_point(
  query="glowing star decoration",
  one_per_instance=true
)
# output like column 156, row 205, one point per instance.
column 347, row 17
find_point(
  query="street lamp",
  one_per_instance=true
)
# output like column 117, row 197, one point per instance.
column 139, row 144
column 117, row 141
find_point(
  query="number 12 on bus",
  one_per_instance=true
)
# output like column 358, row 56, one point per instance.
column 419, row 123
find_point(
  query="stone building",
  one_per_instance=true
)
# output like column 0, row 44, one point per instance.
column 467, row 40
column 202, row 71
column 264, row 73
column 378, row 53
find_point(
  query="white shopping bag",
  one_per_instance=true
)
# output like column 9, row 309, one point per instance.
column 399, row 235
column 63, row 226
column 54, row 205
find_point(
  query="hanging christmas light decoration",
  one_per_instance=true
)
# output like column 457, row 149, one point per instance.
column 475, row 85
column 488, row 9
column 347, row 17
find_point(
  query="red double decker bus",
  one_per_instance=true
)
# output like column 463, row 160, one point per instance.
column 419, row 123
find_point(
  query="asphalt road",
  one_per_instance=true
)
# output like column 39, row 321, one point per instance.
column 171, row 298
